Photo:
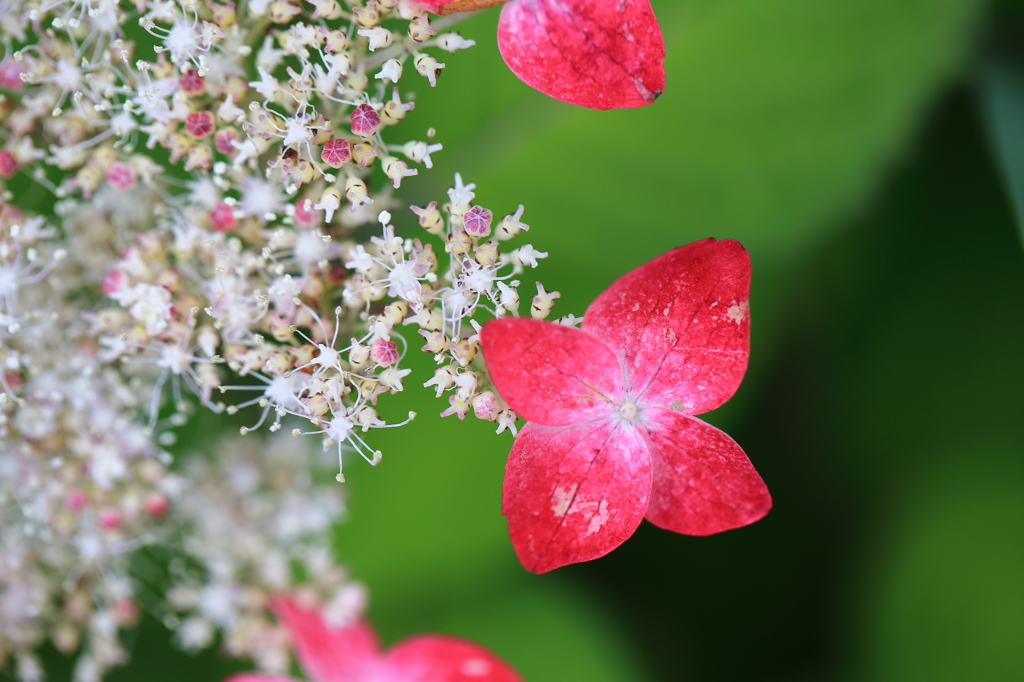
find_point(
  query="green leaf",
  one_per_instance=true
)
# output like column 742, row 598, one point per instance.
column 549, row 631
column 1003, row 103
column 950, row 601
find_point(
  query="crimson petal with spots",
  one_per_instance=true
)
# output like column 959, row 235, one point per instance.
column 703, row 481
column 601, row 54
column 574, row 493
column 551, row 374
column 680, row 324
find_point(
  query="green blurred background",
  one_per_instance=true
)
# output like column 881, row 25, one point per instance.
column 844, row 143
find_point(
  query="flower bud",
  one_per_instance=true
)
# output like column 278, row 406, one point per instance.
column 378, row 37
column 365, row 121
column 199, row 124
column 191, row 82
column 358, row 354
column 452, row 41
column 486, row 253
column 390, row 71
column 543, row 302
column 223, row 140
column 368, row 16
column 356, row 193
column 486, row 406
column 223, row 15
column 199, row 157
column 464, row 350
column 419, row 28
column 384, row 352
column 458, row 242
column 429, row 218
column 394, row 109
column 436, row 341
column 397, row 170
column 282, row 11
column 477, row 221
column 326, row 9
column 336, row 152
column 509, row 296
column 395, row 312
column 334, row 40
column 510, row 225
column 329, row 202
column 428, row 67
column 363, row 154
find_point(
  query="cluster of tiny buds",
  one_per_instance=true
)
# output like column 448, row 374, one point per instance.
column 210, row 174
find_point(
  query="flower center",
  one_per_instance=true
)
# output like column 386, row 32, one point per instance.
column 628, row 411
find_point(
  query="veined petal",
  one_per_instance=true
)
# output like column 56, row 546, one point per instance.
column 549, row 373
column 574, row 493
column 438, row 658
column 681, row 325
column 703, row 481
column 327, row 654
column 595, row 53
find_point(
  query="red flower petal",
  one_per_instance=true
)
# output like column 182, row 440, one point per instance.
column 257, row 677
column 596, row 53
column 327, row 654
column 703, row 481
column 574, row 493
column 436, row 658
column 680, row 323
column 549, row 373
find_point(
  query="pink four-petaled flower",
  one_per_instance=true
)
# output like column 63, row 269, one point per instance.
column 611, row 437
column 349, row 654
column 602, row 54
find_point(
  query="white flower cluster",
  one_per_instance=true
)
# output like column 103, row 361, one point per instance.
column 183, row 193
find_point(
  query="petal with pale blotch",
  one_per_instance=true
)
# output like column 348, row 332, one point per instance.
column 439, row 658
column 325, row 653
column 574, row 493
column 703, row 482
column 681, row 324
column 601, row 54
column 549, row 373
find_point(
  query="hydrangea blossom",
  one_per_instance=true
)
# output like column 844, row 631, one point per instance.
column 611, row 438
column 329, row 653
column 228, row 271
column 602, row 54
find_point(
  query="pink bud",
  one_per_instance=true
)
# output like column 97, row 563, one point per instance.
column 191, row 82
column 75, row 501
column 126, row 612
column 478, row 221
column 384, row 352
column 365, row 121
column 199, row 123
column 337, row 152
column 223, row 139
column 110, row 519
column 120, row 176
column 10, row 74
column 113, row 281
column 222, row 217
column 8, row 164
column 306, row 215
column 156, row 505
